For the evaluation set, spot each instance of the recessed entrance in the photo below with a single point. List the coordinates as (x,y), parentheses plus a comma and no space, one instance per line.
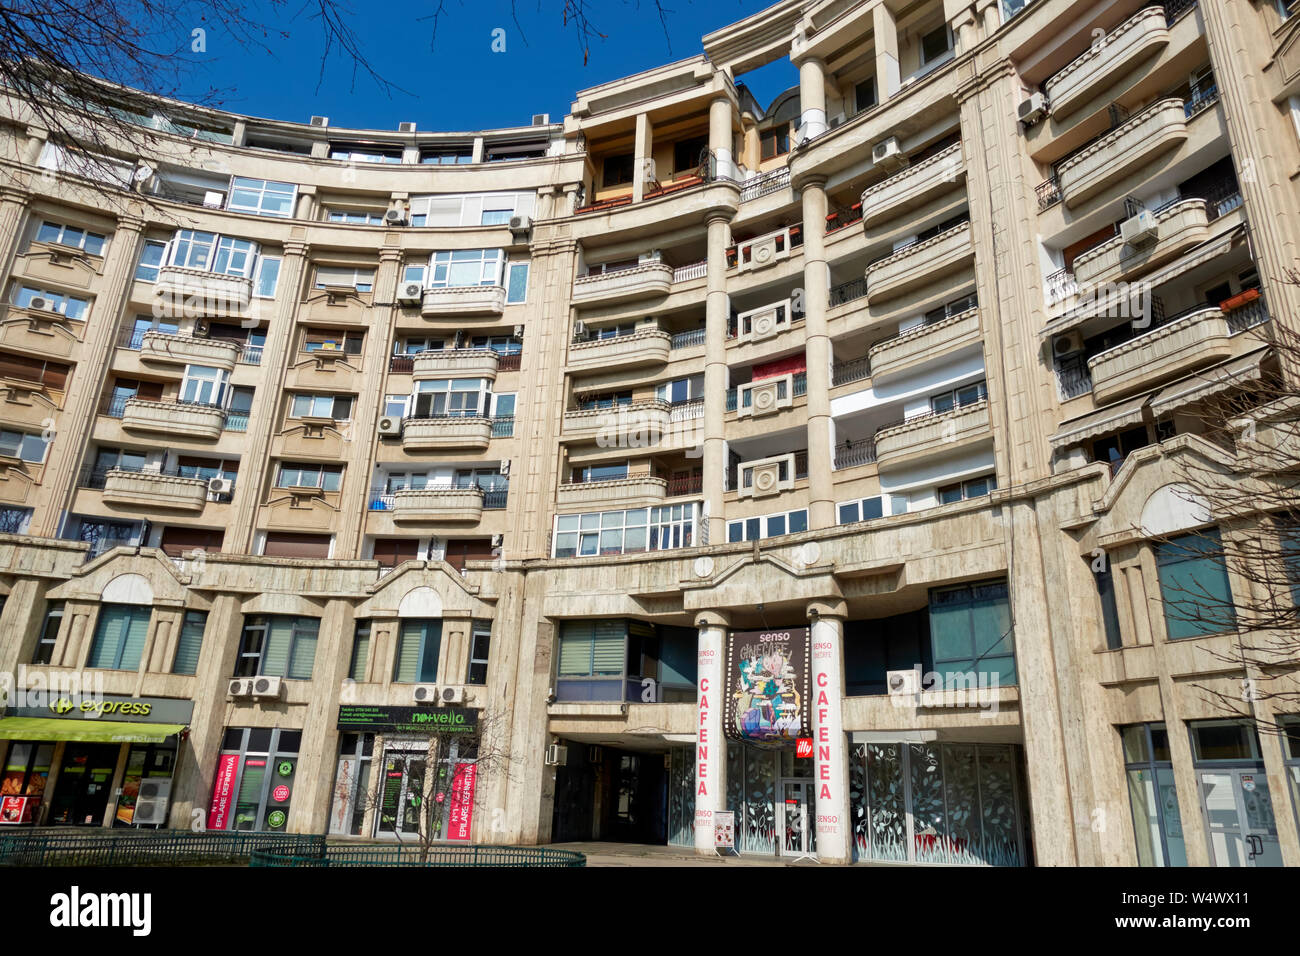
(84,783)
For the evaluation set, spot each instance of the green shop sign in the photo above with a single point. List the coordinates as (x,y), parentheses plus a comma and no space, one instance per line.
(381,719)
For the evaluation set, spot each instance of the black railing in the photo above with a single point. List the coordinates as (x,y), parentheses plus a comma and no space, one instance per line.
(495,500)
(1247,315)
(115,407)
(852,453)
(847,292)
(1200,101)
(1072,376)
(685,485)
(1049,192)
(851,370)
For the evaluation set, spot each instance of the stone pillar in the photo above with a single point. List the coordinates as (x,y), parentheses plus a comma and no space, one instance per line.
(965,30)
(888,78)
(710,745)
(720,139)
(990,13)
(717,312)
(643,171)
(830,745)
(13,205)
(812,97)
(816,297)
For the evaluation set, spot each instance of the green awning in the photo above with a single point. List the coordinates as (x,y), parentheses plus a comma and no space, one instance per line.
(105,731)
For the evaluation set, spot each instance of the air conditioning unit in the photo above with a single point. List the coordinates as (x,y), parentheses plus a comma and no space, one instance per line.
(518,332)
(390,425)
(425,693)
(541,119)
(240,687)
(888,154)
(267,688)
(151,801)
(557,755)
(214,199)
(498,539)
(1140,230)
(320,121)
(142,173)
(654,255)
(406,127)
(1032,109)
(410,293)
(903,683)
(39,303)
(505,469)
(220,486)
(837,120)
(452,695)
(201,328)
(395,216)
(521,225)
(579,329)
(1067,344)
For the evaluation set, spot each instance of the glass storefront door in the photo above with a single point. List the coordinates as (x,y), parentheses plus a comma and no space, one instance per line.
(794,818)
(85,779)
(1239,816)
(402,800)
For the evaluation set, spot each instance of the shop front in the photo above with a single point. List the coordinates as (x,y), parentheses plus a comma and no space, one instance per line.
(254,785)
(91,760)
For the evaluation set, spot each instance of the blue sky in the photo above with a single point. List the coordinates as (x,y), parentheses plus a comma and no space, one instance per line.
(461,83)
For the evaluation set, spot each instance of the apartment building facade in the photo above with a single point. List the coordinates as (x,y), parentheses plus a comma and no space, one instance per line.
(821,463)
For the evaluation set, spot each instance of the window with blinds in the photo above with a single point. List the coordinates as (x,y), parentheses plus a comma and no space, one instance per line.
(360,651)
(278,647)
(971,632)
(26,368)
(119,637)
(418,643)
(190,643)
(592,658)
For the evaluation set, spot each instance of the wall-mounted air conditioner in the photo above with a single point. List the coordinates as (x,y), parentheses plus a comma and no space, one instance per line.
(452,695)
(521,225)
(151,801)
(425,693)
(1067,344)
(888,154)
(410,293)
(390,425)
(395,216)
(240,687)
(1032,109)
(267,688)
(1140,230)
(903,683)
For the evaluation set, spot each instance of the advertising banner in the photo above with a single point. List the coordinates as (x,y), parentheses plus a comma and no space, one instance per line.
(421,721)
(461,817)
(223,791)
(767,676)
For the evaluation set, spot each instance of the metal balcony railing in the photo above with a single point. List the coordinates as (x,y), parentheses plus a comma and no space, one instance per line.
(852,453)
(1248,315)
(1072,376)
(685,485)
(684,340)
(236,421)
(509,361)
(765,184)
(851,370)
(496,499)
(503,426)
(847,292)
(1049,192)
(250,355)
(115,407)
(401,364)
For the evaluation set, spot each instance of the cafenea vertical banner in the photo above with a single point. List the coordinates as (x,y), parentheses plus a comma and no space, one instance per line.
(767,686)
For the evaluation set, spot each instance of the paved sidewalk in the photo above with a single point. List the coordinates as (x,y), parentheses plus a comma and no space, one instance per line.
(636,854)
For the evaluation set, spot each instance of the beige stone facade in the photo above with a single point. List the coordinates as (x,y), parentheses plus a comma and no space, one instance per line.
(680,364)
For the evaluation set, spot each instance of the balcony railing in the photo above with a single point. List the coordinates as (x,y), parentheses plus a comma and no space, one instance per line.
(685,340)
(1072,376)
(503,426)
(509,361)
(851,370)
(401,364)
(1049,192)
(1200,101)
(686,410)
(847,292)
(95,478)
(685,485)
(693,270)
(236,421)
(852,453)
(1060,285)
(496,500)
(841,218)
(765,184)
(250,355)
(1246,315)
(115,407)
(131,338)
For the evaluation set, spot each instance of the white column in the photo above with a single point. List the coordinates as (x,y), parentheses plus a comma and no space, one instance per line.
(812,98)
(643,171)
(888,78)
(720,137)
(830,746)
(710,746)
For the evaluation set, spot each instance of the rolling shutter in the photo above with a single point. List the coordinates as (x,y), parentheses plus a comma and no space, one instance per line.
(294,544)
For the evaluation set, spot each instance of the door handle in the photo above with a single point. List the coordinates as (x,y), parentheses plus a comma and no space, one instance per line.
(1256,846)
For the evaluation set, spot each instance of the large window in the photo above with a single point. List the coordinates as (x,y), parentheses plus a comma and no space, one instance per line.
(971,634)
(119,637)
(963,490)
(625,532)
(278,646)
(1153,799)
(324,477)
(418,644)
(337,407)
(190,643)
(866,509)
(15,520)
(465,267)
(255,779)
(261,197)
(591,659)
(151,260)
(625,660)
(617,170)
(345,277)
(768,526)
(23,445)
(1194,585)
(203,385)
(452,398)
(70,306)
(91,243)
(1109,607)
(480,643)
(351,783)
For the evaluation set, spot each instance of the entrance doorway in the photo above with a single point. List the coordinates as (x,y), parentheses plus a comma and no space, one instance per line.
(402,799)
(794,819)
(85,780)
(603,793)
(1239,815)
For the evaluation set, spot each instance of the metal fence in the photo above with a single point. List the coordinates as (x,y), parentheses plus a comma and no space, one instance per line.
(401,855)
(54,846)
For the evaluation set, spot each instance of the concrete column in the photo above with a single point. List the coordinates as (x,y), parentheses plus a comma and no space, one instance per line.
(710,745)
(965,30)
(991,15)
(720,139)
(888,78)
(830,744)
(812,97)
(816,296)
(13,206)
(643,171)
(716,313)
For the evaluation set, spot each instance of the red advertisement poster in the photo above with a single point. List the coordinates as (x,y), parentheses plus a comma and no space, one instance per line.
(223,791)
(17,810)
(462,802)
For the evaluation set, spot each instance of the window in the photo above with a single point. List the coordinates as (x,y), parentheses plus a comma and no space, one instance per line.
(337,407)
(864,510)
(356,217)
(268,276)
(936,45)
(775,142)
(15,520)
(261,197)
(330,340)
(345,277)
(22,445)
(324,477)
(962,490)
(71,306)
(958,397)
(587,473)
(466,267)
(864,94)
(357,153)
(119,637)
(1109,609)
(234,257)
(92,243)
(360,650)
(971,634)
(293,544)
(480,642)
(625,532)
(452,398)
(516,282)
(352,784)
(254,762)
(591,660)
(681,390)
(689,153)
(395,405)
(190,643)
(49,633)
(1153,798)
(278,646)
(31,369)
(508,152)
(151,259)
(418,644)
(1194,585)
(768,526)
(192,250)
(447,155)
(617,170)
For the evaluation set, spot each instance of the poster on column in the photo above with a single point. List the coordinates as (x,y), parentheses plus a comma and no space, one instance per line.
(223,788)
(767,686)
(461,818)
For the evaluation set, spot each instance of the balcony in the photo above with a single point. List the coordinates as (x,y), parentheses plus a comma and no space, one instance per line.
(145,489)
(1114,157)
(925,435)
(195,292)
(850,370)
(850,454)
(1137,38)
(454,301)
(765,250)
(645,347)
(166,348)
(175,419)
(1183,343)
(635,491)
(646,281)
(455,363)
(1180,225)
(924,343)
(765,322)
(442,505)
(632,425)
(912,186)
(767,396)
(919,263)
(435,434)
(763,477)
